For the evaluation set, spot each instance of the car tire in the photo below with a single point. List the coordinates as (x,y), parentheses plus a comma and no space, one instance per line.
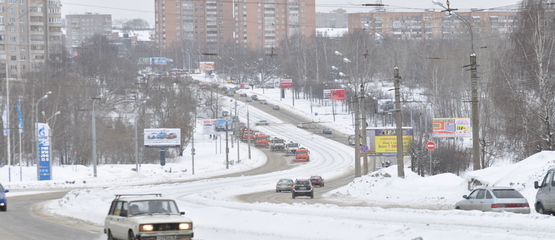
(540,209)
(110,237)
(312,195)
(4,208)
(131,235)
(293,196)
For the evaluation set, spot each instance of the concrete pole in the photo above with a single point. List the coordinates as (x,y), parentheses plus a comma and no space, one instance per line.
(363,129)
(475,114)
(357,135)
(399,124)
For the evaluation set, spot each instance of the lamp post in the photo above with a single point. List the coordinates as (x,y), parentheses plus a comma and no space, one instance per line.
(36,131)
(474,89)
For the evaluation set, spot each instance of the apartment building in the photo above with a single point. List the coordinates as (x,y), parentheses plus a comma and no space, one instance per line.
(258,24)
(82,26)
(30,33)
(337,18)
(431,24)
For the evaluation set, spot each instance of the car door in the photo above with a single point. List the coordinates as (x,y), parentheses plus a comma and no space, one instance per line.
(487,201)
(550,192)
(117,226)
(545,191)
(472,202)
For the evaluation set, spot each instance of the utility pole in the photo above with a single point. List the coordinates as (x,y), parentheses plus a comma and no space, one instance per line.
(363,128)
(357,135)
(399,124)
(475,116)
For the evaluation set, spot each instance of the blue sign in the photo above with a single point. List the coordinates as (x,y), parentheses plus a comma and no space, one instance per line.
(43,148)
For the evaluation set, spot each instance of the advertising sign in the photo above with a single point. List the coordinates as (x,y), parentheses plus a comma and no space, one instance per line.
(385,105)
(216,126)
(286,83)
(207,66)
(383,141)
(43,148)
(162,137)
(451,127)
(334,94)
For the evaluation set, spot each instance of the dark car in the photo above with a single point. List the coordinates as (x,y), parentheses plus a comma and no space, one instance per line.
(327,131)
(317,180)
(3,199)
(254,97)
(302,187)
(275,107)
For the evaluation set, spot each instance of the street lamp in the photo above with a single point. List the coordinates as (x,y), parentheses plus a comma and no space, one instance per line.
(37,131)
(473,86)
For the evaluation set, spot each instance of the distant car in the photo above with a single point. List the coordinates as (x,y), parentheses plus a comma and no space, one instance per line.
(351,139)
(275,107)
(171,136)
(302,187)
(326,131)
(3,199)
(243,95)
(225,113)
(249,100)
(284,184)
(254,97)
(140,216)
(494,199)
(263,101)
(302,125)
(262,122)
(317,180)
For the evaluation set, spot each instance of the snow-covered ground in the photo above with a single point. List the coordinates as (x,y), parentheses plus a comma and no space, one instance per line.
(384,206)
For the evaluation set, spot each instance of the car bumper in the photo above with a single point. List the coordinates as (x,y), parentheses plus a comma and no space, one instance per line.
(513,210)
(178,236)
(283,188)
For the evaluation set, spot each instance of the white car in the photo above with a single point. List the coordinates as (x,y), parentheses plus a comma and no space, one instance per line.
(146,216)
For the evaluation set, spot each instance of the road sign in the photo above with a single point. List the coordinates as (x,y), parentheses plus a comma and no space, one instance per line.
(430,145)
(364,148)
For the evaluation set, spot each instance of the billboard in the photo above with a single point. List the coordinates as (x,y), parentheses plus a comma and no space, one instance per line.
(451,127)
(206,66)
(162,137)
(334,94)
(286,83)
(383,141)
(216,126)
(385,105)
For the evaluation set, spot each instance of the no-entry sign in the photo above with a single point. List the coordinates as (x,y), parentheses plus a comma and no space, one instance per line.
(430,145)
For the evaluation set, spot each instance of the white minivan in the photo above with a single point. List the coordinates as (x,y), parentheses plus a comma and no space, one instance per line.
(545,197)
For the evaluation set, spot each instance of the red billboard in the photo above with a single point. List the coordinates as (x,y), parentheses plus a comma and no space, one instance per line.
(334,94)
(286,83)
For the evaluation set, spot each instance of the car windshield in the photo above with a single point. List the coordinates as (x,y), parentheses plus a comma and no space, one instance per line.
(153,207)
(285,180)
(302,152)
(506,193)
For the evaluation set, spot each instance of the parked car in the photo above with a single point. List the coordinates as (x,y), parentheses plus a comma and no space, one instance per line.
(545,196)
(326,131)
(275,107)
(317,180)
(284,184)
(262,122)
(3,199)
(146,216)
(302,187)
(494,199)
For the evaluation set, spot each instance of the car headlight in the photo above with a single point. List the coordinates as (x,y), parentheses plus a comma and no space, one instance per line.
(185,226)
(146,227)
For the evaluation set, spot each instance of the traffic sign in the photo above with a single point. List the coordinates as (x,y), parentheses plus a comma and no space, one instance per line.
(430,145)
(364,148)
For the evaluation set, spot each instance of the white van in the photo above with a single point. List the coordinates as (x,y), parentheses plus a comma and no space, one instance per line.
(545,197)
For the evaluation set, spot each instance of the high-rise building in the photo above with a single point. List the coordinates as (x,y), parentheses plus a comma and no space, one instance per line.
(30,33)
(258,24)
(82,26)
(431,24)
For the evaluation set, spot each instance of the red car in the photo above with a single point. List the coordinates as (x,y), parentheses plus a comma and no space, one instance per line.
(317,180)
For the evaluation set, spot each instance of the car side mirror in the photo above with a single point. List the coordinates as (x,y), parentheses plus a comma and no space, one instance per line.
(182,213)
(465,196)
(536,185)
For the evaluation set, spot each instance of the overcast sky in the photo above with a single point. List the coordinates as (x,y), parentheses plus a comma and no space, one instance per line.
(131,9)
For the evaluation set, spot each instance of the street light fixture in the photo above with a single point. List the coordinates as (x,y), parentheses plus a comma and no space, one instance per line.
(36,131)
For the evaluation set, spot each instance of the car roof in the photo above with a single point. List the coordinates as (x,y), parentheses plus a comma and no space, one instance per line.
(494,187)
